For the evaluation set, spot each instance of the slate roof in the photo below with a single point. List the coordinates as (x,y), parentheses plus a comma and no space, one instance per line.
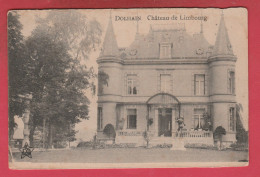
(222,44)
(110,47)
(183,45)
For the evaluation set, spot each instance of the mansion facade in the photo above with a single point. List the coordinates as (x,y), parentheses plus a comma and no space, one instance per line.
(164,75)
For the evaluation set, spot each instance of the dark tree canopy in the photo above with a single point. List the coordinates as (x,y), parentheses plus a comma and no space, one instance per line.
(102,81)
(50,68)
(17,72)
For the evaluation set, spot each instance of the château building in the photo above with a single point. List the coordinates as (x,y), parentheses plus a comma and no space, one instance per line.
(161,76)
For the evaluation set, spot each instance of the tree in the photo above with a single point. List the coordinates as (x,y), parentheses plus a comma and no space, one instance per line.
(102,80)
(72,29)
(208,122)
(51,65)
(57,85)
(241,133)
(17,63)
(58,77)
(218,133)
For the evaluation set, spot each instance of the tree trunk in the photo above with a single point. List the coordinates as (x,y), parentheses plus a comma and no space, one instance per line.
(50,134)
(43,133)
(31,135)
(220,138)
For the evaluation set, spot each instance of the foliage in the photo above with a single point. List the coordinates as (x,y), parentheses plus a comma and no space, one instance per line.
(239,146)
(50,65)
(109,130)
(241,133)
(85,144)
(162,146)
(73,29)
(150,121)
(199,146)
(57,84)
(219,131)
(17,63)
(208,121)
(102,80)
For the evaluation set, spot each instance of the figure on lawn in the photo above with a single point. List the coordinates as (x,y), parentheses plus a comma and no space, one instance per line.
(181,124)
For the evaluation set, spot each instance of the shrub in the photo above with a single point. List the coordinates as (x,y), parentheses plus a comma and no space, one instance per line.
(199,146)
(163,146)
(239,146)
(85,144)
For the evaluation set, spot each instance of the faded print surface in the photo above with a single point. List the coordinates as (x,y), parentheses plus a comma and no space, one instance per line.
(166,85)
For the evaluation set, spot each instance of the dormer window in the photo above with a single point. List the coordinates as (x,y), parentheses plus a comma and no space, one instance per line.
(165,50)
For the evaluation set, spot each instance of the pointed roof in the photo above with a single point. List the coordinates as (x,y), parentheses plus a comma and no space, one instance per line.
(110,47)
(222,44)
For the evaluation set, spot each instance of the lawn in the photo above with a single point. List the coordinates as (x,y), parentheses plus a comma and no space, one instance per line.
(132,155)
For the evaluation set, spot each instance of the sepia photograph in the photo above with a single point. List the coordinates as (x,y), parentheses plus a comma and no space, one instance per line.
(128,88)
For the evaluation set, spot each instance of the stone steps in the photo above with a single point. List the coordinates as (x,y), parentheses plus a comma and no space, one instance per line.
(161,140)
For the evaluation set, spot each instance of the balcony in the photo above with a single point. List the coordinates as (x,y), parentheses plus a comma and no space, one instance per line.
(191,137)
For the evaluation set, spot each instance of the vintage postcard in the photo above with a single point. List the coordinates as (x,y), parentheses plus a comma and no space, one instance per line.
(128,88)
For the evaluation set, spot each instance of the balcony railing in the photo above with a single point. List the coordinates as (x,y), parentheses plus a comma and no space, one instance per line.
(196,134)
(129,133)
(192,136)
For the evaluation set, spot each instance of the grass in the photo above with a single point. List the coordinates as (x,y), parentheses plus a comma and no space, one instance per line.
(133,155)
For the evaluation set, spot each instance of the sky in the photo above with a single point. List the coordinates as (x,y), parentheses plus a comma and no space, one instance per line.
(235,20)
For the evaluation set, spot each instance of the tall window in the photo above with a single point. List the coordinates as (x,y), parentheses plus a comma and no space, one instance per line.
(199,85)
(132,84)
(199,121)
(165,50)
(165,83)
(231,82)
(100,118)
(131,118)
(232,119)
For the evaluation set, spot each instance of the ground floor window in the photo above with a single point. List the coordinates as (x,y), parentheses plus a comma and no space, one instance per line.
(232,119)
(100,118)
(199,121)
(131,118)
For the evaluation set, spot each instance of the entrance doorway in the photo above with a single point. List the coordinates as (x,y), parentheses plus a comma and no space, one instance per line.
(165,122)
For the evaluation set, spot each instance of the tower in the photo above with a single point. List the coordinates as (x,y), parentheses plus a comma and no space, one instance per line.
(222,83)
(109,63)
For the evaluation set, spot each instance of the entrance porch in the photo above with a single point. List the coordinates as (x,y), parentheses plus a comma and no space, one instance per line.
(160,121)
